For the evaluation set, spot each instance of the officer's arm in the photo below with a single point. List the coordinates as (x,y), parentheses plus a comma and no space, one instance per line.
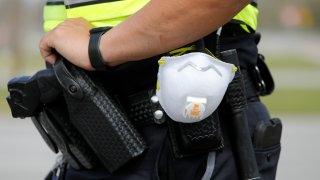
(160,26)
(163,25)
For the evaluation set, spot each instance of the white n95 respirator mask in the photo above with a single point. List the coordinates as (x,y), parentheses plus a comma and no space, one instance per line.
(190,87)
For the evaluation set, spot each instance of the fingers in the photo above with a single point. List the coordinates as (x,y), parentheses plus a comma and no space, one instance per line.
(69,39)
(47,50)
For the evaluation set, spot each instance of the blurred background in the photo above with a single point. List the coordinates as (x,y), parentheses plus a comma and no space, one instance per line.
(290,42)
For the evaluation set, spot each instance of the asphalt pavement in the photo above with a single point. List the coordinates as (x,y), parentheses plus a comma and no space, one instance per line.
(300,157)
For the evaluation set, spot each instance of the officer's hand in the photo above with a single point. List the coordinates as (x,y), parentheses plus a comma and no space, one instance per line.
(70,39)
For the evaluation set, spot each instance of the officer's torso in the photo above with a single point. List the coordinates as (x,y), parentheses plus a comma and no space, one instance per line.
(131,76)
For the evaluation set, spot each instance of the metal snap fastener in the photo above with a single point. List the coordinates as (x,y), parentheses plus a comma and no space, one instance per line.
(154,99)
(159,117)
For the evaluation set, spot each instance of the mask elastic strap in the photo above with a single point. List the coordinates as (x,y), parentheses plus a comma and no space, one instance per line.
(200,45)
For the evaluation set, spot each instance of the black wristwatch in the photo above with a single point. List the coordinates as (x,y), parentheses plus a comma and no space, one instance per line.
(95,56)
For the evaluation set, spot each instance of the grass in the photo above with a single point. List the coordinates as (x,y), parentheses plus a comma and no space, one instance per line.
(301,101)
(291,62)
(294,101)
(4,107)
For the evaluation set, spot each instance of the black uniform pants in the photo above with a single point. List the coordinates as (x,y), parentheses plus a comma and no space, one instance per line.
(158,162)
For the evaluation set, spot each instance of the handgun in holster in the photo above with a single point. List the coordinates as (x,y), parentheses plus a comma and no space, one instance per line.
(76,116)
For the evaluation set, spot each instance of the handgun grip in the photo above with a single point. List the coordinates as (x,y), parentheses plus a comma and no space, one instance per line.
(28,93)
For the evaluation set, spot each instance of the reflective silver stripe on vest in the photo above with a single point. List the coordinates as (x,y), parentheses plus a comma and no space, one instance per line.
(55,2)
(72,2)
(69,2)
(77,3)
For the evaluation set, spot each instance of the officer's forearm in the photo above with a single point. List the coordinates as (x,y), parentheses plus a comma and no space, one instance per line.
(163,25)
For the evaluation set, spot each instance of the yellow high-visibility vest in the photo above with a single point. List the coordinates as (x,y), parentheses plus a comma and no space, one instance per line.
(112,12)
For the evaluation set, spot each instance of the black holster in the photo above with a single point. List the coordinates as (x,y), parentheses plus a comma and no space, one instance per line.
(79,118)
(98,118)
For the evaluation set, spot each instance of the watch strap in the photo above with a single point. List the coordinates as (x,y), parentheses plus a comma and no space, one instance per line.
(95,56)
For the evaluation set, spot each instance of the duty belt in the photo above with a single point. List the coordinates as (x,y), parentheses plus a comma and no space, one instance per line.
(141,109)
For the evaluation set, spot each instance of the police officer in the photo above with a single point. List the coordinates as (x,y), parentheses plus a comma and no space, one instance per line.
(141,31)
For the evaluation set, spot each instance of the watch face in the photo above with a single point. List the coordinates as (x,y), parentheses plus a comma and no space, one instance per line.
(99,29)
